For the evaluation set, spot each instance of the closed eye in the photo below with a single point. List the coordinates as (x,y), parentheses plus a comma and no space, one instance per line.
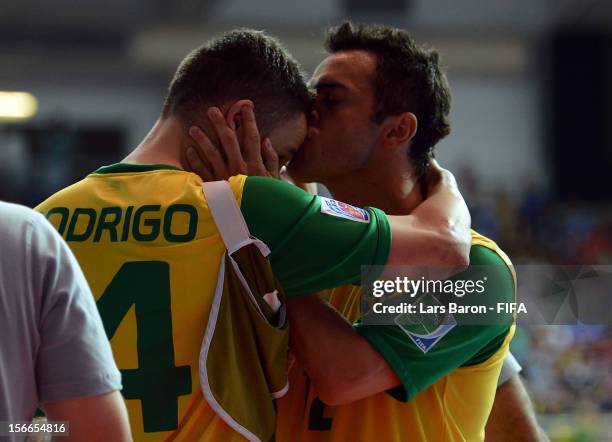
(330,101)
(327,93)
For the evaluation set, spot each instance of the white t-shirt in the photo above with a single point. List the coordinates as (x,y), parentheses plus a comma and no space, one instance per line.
(52,341)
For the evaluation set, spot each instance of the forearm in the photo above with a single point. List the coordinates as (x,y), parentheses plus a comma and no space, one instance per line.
(342,365)
(95,418)
(512,417)
(444,212)
(437,231)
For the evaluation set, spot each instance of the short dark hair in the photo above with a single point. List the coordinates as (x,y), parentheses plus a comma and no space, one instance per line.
(243,63)
(408,78)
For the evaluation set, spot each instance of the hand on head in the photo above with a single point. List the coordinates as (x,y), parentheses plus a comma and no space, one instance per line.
(241,150)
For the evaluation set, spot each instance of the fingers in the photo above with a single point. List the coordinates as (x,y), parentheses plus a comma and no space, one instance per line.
(207,161)
(270,158)
(260,158)
(438,178)
(434,165)
(229,142)
(434,174)
(445,174)
(251,140)
(197,165)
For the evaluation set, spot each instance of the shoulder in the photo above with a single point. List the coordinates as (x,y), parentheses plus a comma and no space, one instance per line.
(486,256)
(266,198)
(16,213)
(66,196)
(30,244)
(270,187)
(486,251)
(237,184)
(17,222)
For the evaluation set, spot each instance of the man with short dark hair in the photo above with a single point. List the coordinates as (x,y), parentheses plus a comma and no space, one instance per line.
(406,77)
(239,64)
(396,100)
(247,64)
(146,239)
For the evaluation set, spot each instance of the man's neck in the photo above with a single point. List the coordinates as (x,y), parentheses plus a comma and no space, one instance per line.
(162,145)
(390,187)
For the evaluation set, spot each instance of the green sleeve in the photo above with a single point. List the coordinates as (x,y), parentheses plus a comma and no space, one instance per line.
(461,345)
(311,250)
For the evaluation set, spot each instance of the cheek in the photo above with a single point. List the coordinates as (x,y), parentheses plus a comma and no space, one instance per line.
(281,151)
(341,134)
(345,121)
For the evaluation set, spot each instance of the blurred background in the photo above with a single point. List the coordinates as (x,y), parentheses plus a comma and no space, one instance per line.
(531,140)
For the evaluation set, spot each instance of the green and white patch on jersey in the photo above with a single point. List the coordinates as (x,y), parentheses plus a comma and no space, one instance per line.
(425,329)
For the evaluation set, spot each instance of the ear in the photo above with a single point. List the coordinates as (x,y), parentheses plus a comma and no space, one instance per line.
(399,129)
(232,115)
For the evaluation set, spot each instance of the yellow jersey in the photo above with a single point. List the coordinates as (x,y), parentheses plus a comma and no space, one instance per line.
(151,252)
(154,309)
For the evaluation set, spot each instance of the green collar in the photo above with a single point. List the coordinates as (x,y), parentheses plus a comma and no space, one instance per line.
(127,167)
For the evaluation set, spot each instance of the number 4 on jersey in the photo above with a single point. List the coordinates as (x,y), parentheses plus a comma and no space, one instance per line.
(157,382)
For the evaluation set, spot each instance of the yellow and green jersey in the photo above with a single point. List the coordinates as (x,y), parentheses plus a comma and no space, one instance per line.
(151,252)
(447,392)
